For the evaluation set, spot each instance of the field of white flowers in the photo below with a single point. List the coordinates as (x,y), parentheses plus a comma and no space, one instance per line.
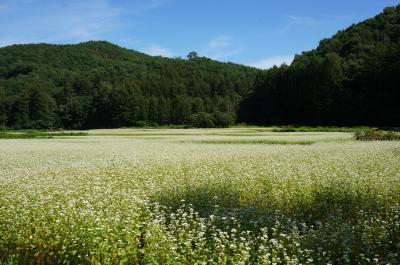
(221,196)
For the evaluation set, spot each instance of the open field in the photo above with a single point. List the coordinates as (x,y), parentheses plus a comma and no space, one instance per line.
(199,196)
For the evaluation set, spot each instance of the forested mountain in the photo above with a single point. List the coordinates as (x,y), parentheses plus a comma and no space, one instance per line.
(98,84)
(352,78)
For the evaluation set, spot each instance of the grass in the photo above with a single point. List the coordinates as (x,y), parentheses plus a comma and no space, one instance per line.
(255,141)
(317,129)
(37,134)
(126,200)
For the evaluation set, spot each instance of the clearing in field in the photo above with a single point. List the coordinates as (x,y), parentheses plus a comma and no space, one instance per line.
(221,196)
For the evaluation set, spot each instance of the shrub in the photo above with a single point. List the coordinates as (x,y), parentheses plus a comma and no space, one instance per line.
(217,119)
(376,135)
(202,120)
(144,124)
(224,119)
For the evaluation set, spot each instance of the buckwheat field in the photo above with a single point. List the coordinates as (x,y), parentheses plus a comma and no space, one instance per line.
(227,196)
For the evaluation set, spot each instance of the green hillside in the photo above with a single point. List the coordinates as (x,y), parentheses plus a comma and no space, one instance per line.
(98,84)
(350,79)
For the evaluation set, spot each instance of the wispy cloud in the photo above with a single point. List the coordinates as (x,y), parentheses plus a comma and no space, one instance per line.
(296,22)
(158,51)
(9,40)
(272,61)
(156,3)
(221,55)
(293,22)
(127,41)
(3,7)
(71,21)
(301,20)
(342,17)
(220,42)
(141,8)
(221,47)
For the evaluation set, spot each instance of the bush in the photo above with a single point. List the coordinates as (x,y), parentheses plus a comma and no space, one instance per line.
(224,119)
(202,120)
(217,119)
(376,135)
(144,124)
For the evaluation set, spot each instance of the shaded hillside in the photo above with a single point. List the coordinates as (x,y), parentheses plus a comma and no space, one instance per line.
(98,84)
(350,79)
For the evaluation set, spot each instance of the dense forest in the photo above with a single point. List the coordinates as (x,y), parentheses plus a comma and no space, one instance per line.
(101,85)
(350,79)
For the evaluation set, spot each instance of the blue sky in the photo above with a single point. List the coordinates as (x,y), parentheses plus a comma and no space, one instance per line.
(260,33)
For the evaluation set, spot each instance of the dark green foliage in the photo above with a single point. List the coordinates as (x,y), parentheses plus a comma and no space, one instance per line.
(202,120)
(100,85)
(192,55)
(224,119)
(349,80)
(217,119)
(376,135)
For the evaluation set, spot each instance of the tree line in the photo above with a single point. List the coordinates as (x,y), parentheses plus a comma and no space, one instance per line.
(100,85)
(350,79)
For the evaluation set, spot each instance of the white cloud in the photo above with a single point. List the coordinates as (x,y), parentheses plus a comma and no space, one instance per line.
(296,22)
(220,42)
(222,54)
(342,17)
(301,20)
(72,21)
(83,21)
(140,8)
(127,41)
(65,22)
(10,40)
(271,61)
(158,51)
(220,48)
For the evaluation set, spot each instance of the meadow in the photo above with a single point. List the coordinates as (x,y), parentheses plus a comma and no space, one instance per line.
(199,196)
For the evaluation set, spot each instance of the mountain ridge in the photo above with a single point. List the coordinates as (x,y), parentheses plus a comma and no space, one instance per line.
(72,77)
(349,79)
